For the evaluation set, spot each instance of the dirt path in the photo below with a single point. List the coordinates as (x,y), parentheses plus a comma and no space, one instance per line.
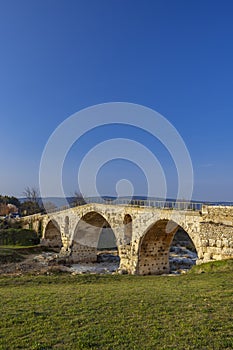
(29,265)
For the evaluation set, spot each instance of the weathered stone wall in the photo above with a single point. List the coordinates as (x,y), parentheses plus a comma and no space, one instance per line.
(125,255)
(153,256)
(216,233)
(82,253)
(52,235)
(33,222)
(218,214)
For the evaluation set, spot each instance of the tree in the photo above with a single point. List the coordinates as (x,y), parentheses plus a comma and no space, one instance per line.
(8,205)
(10,200)
(32,194)
(29,208)
(77,199)
(32,204)
(49,207)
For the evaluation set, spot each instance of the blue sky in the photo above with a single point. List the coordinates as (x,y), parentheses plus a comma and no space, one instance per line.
(58,57)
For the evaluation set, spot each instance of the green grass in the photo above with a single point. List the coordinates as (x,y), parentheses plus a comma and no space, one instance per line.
(18,236)
(8,255)
(216,266)
(193,311)
(14,253)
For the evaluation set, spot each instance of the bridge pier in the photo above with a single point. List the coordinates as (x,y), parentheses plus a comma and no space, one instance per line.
(82,253)
(125,255)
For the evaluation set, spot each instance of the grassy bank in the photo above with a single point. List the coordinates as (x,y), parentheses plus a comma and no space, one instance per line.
(216,266)
(117,312)
(18,236)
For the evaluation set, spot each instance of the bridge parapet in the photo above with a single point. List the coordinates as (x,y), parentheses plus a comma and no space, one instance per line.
(159,204)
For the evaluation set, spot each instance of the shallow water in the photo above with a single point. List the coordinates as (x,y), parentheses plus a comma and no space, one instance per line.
(181,260)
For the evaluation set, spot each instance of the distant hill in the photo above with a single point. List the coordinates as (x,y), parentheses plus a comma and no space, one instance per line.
(61,202)
(57,201)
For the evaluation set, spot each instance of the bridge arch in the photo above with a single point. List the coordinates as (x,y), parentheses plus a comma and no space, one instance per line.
(107,239)
(183,253)
(154,247)
(52,234)
(86,236)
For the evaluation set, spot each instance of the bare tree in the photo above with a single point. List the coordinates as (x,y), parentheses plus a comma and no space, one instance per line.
(32,203)
(77,199)
(49,207)
(32,194)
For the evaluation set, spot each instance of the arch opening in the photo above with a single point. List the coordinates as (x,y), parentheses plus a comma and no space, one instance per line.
(52,235)
(127,229)
(183,254)
(107,239)
(95,241)
(156,248)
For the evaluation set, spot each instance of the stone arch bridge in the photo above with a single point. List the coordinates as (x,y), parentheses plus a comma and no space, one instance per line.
(143,234)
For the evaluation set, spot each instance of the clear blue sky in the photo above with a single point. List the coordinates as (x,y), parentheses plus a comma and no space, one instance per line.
(57,57)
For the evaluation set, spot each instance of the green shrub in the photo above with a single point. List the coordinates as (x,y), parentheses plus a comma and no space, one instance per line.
(7,223)
(21,237)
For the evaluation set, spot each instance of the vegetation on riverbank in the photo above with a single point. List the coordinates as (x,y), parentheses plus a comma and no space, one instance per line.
(14,253)
(62,311)
(18,237)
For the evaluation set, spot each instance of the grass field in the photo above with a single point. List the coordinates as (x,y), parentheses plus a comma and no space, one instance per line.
(193,311)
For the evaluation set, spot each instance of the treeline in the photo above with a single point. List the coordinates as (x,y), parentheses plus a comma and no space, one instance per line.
(11,227)
(32,203)
(27,207)
(9,200)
